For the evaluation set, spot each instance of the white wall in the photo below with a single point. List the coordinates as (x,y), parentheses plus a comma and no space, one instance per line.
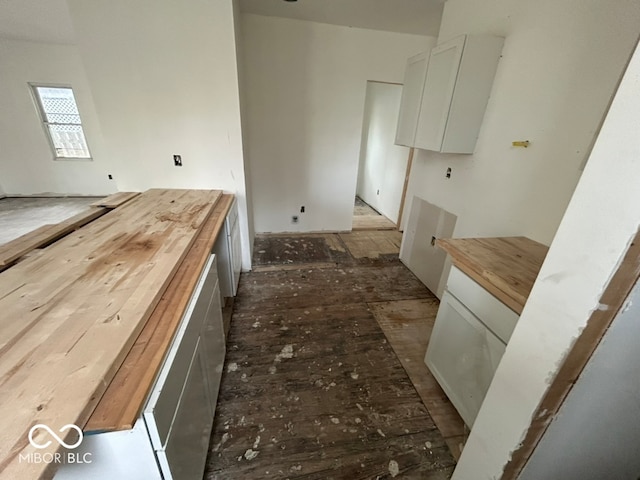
(165,81)
(26,162)
(305,90)
(560,64)
(237,23)
(383,165)
(599,224)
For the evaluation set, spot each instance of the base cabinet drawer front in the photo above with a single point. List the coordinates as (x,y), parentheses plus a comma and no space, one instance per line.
(463,355)
(499,318)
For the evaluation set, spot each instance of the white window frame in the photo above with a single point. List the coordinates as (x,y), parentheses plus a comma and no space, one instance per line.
(33,87)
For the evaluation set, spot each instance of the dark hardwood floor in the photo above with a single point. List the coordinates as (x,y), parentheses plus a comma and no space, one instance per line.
(311,388)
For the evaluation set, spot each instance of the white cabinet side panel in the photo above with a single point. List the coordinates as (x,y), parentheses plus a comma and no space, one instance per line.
(417,252)
(411,99)
(125,455)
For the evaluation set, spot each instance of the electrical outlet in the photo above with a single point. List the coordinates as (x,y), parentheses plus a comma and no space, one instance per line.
(110,177)
(177,160)
(294,219)
(448,175)
(302,209)
(433,241)
(377,192)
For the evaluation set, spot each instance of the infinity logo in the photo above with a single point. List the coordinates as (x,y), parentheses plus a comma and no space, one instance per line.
(53,434)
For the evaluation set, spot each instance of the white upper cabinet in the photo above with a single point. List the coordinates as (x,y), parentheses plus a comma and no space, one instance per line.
(411,98)
(456,90)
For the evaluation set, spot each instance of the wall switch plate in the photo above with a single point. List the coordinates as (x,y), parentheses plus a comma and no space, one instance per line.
(177,160)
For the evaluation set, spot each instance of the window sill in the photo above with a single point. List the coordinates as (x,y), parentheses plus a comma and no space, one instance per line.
(73,159)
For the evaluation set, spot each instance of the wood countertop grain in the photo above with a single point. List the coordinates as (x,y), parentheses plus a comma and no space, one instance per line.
(506,267)
(122,403)
(69,317)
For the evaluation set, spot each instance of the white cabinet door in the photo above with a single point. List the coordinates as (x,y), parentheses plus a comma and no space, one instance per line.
(463,356)
(456,91)
(228,250)
(438,91)
(213,347)
(411,99)
(184,456)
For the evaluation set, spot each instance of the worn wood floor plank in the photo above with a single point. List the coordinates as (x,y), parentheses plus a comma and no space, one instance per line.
(312,388)
(372,222)
(407,324)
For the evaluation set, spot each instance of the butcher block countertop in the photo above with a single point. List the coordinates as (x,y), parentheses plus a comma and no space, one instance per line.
(122,403)
(506,267)
(105,298)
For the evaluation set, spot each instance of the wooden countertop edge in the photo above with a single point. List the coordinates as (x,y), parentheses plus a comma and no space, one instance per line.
(488,280)
(115,199)
(123,400)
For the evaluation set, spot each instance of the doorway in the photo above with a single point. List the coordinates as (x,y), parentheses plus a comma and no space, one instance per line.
(383,165)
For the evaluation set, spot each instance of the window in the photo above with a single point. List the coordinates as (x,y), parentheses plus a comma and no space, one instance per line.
(61,119)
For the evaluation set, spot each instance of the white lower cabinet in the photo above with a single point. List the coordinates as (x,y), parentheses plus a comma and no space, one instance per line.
(171,438)
(228,251)
(468,340)
(184,453)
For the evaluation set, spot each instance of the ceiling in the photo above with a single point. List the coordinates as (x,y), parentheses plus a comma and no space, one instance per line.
(421,17)
(36,20)
(48,21)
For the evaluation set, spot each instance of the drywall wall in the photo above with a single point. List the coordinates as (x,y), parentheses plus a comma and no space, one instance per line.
(26,164)
(559,67)
(599,224)
(243,119)
(164,80)
(595,434)
(305,90)
(419,251)
(383,165)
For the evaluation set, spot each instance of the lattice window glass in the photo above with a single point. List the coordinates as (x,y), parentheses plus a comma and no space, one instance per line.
(62,122)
